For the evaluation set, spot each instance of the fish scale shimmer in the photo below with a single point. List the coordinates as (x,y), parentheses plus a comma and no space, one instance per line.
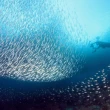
(39,41)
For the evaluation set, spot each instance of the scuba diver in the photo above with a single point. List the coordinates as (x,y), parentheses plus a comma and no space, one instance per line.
(100,44)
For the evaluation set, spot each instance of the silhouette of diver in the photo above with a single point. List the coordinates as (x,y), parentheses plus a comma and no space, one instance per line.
(99,44)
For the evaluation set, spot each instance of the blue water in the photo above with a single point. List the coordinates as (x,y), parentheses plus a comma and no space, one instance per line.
(63,33)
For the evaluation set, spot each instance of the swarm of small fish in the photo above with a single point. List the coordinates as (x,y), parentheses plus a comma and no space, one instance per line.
(94,90)
(34,59)
(37,43)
